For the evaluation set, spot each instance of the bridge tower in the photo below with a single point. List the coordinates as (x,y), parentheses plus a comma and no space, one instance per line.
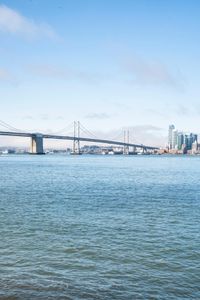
(37,144)
(126,141)
(76,142)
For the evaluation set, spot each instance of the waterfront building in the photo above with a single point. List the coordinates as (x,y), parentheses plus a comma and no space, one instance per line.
(195,147)
(171,128)
(180,140)
(194,138)
(189,139)
(174,139)
(184,149)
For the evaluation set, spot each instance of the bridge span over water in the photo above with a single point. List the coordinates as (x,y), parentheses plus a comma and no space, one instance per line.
(37,139)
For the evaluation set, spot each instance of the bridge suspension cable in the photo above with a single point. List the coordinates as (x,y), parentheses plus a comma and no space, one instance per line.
(9,127)
(85,130)
(119,135)
(133,138)
(66,129)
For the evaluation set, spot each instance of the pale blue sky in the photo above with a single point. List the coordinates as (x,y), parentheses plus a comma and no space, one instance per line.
(108,63)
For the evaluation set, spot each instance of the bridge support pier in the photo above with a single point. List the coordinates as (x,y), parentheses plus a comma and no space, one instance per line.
(37,144)
(126,150)
(144,150)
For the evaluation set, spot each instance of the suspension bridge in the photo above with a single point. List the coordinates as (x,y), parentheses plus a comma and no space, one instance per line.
(36,145)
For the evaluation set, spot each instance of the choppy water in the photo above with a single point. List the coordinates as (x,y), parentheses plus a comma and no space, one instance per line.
(97,227)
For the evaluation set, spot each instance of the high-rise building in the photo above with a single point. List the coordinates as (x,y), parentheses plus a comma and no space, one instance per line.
(171,128)
(174,139)
(189,139)
(195,147)
(180,140)
(195,137)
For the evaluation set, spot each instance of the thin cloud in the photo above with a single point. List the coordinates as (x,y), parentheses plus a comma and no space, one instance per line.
(47,70)
(99,116)
(43,117)
(4,74)
(157,113)
(27,117)
(64,73)
(184,110)
(146,128)
(11,21)
(7,76)
(149,73)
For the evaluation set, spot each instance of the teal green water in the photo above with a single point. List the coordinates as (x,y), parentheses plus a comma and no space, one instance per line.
(99,227)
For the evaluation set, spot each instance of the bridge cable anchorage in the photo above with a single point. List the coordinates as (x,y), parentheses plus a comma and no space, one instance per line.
(11,128)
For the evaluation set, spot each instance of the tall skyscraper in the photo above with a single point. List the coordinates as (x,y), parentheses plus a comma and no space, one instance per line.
(174,139)
(171,128)
(180,140)
(189,139)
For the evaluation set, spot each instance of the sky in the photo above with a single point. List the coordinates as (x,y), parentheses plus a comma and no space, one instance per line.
(110,64)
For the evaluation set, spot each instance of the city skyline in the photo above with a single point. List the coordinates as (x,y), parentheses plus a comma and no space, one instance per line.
(181,141)
(101,64)
(175,140)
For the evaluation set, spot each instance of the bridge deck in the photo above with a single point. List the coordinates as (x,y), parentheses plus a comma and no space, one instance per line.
(71,138)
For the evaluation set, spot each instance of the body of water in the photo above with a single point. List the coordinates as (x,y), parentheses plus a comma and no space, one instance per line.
(99,227)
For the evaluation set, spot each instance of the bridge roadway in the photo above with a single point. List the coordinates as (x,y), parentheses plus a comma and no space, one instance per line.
(37,140)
